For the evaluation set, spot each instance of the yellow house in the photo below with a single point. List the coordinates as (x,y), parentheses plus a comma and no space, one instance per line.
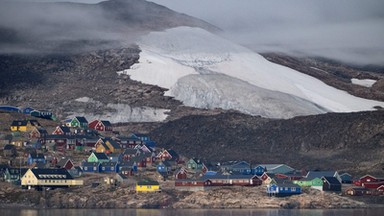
(51,178)
(107,145)
(147,186)
(24,125)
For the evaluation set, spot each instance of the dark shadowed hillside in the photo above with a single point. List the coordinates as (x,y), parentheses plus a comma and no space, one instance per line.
(350,141)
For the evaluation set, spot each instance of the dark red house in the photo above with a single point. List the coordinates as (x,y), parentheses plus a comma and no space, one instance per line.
(101,125)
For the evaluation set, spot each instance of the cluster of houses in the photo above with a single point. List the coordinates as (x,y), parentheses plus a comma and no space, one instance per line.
(133,155)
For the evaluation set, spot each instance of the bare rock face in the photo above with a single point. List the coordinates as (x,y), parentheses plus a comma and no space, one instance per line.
(342,141)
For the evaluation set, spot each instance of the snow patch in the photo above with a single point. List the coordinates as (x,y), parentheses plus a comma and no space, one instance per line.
(363,82)
(120,112)
(168,59)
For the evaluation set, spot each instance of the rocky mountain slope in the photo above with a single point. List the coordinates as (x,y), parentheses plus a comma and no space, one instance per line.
(352,142)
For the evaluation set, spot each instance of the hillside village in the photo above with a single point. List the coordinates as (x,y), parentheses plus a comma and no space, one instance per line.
(79,153)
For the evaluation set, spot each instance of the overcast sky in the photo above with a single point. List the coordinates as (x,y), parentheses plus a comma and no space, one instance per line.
(350,30)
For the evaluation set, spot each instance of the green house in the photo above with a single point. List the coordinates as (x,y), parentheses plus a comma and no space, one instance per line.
(98,157)
(195,164)
(79,122)
(316,183)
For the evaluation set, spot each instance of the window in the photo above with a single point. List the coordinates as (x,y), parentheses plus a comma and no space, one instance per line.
(293,189)
(103,168)
(94,168)
(112,168)
(86,168)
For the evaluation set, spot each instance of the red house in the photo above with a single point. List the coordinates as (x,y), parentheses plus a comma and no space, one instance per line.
(100,125)
(62,130)
(181,173)
(65,163)
(365,179)
(373,185)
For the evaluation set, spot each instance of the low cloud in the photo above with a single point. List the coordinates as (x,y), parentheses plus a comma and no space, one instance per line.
(347,30)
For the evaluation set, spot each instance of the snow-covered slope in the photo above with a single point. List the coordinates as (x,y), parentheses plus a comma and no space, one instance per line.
(206,71)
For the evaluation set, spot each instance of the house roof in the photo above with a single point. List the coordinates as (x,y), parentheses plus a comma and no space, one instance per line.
(331,180)
(9,147)
(65,129)
(106,123)
(173,153)
(318,174)
(81,119)
(51,173)
(100,156)
(277,168)
(147,182)
(63,161)
(105,164)
(89,164)
(112,142)
(286,184)
(221,176)
(13,170)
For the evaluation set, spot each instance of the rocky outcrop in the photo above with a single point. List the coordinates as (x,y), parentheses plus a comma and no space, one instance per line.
(104,197)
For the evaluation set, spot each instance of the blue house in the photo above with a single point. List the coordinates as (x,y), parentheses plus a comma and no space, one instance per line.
(283,188)
(346,178)
(90,166)
(164,167)
(28,110)
(241,167)
(259,170)
(108,167)
(141,137)
(35,158)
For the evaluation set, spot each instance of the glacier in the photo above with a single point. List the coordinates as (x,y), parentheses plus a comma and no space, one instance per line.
(203,70)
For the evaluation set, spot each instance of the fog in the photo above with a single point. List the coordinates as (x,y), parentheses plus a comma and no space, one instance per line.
(347,30)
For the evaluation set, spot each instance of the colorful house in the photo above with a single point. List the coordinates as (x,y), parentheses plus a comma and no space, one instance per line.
(277,168)
(357,191)
(128,168)
(65,163)
(13,175)
(164,167)
(79,122)
(62,130)
(38,133)
(108,167)
(320,174)
(107,145)
(24,125)
(232,180)
(285,188)
(181,173)
(195,164)
(168,155)
(9,150)
(98,157)
(241,167)
(331,184)
(90,166)
(101,125)
(48,178)
(365,179)
(35,158)
(315,183)
(147,186)
(346,178)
